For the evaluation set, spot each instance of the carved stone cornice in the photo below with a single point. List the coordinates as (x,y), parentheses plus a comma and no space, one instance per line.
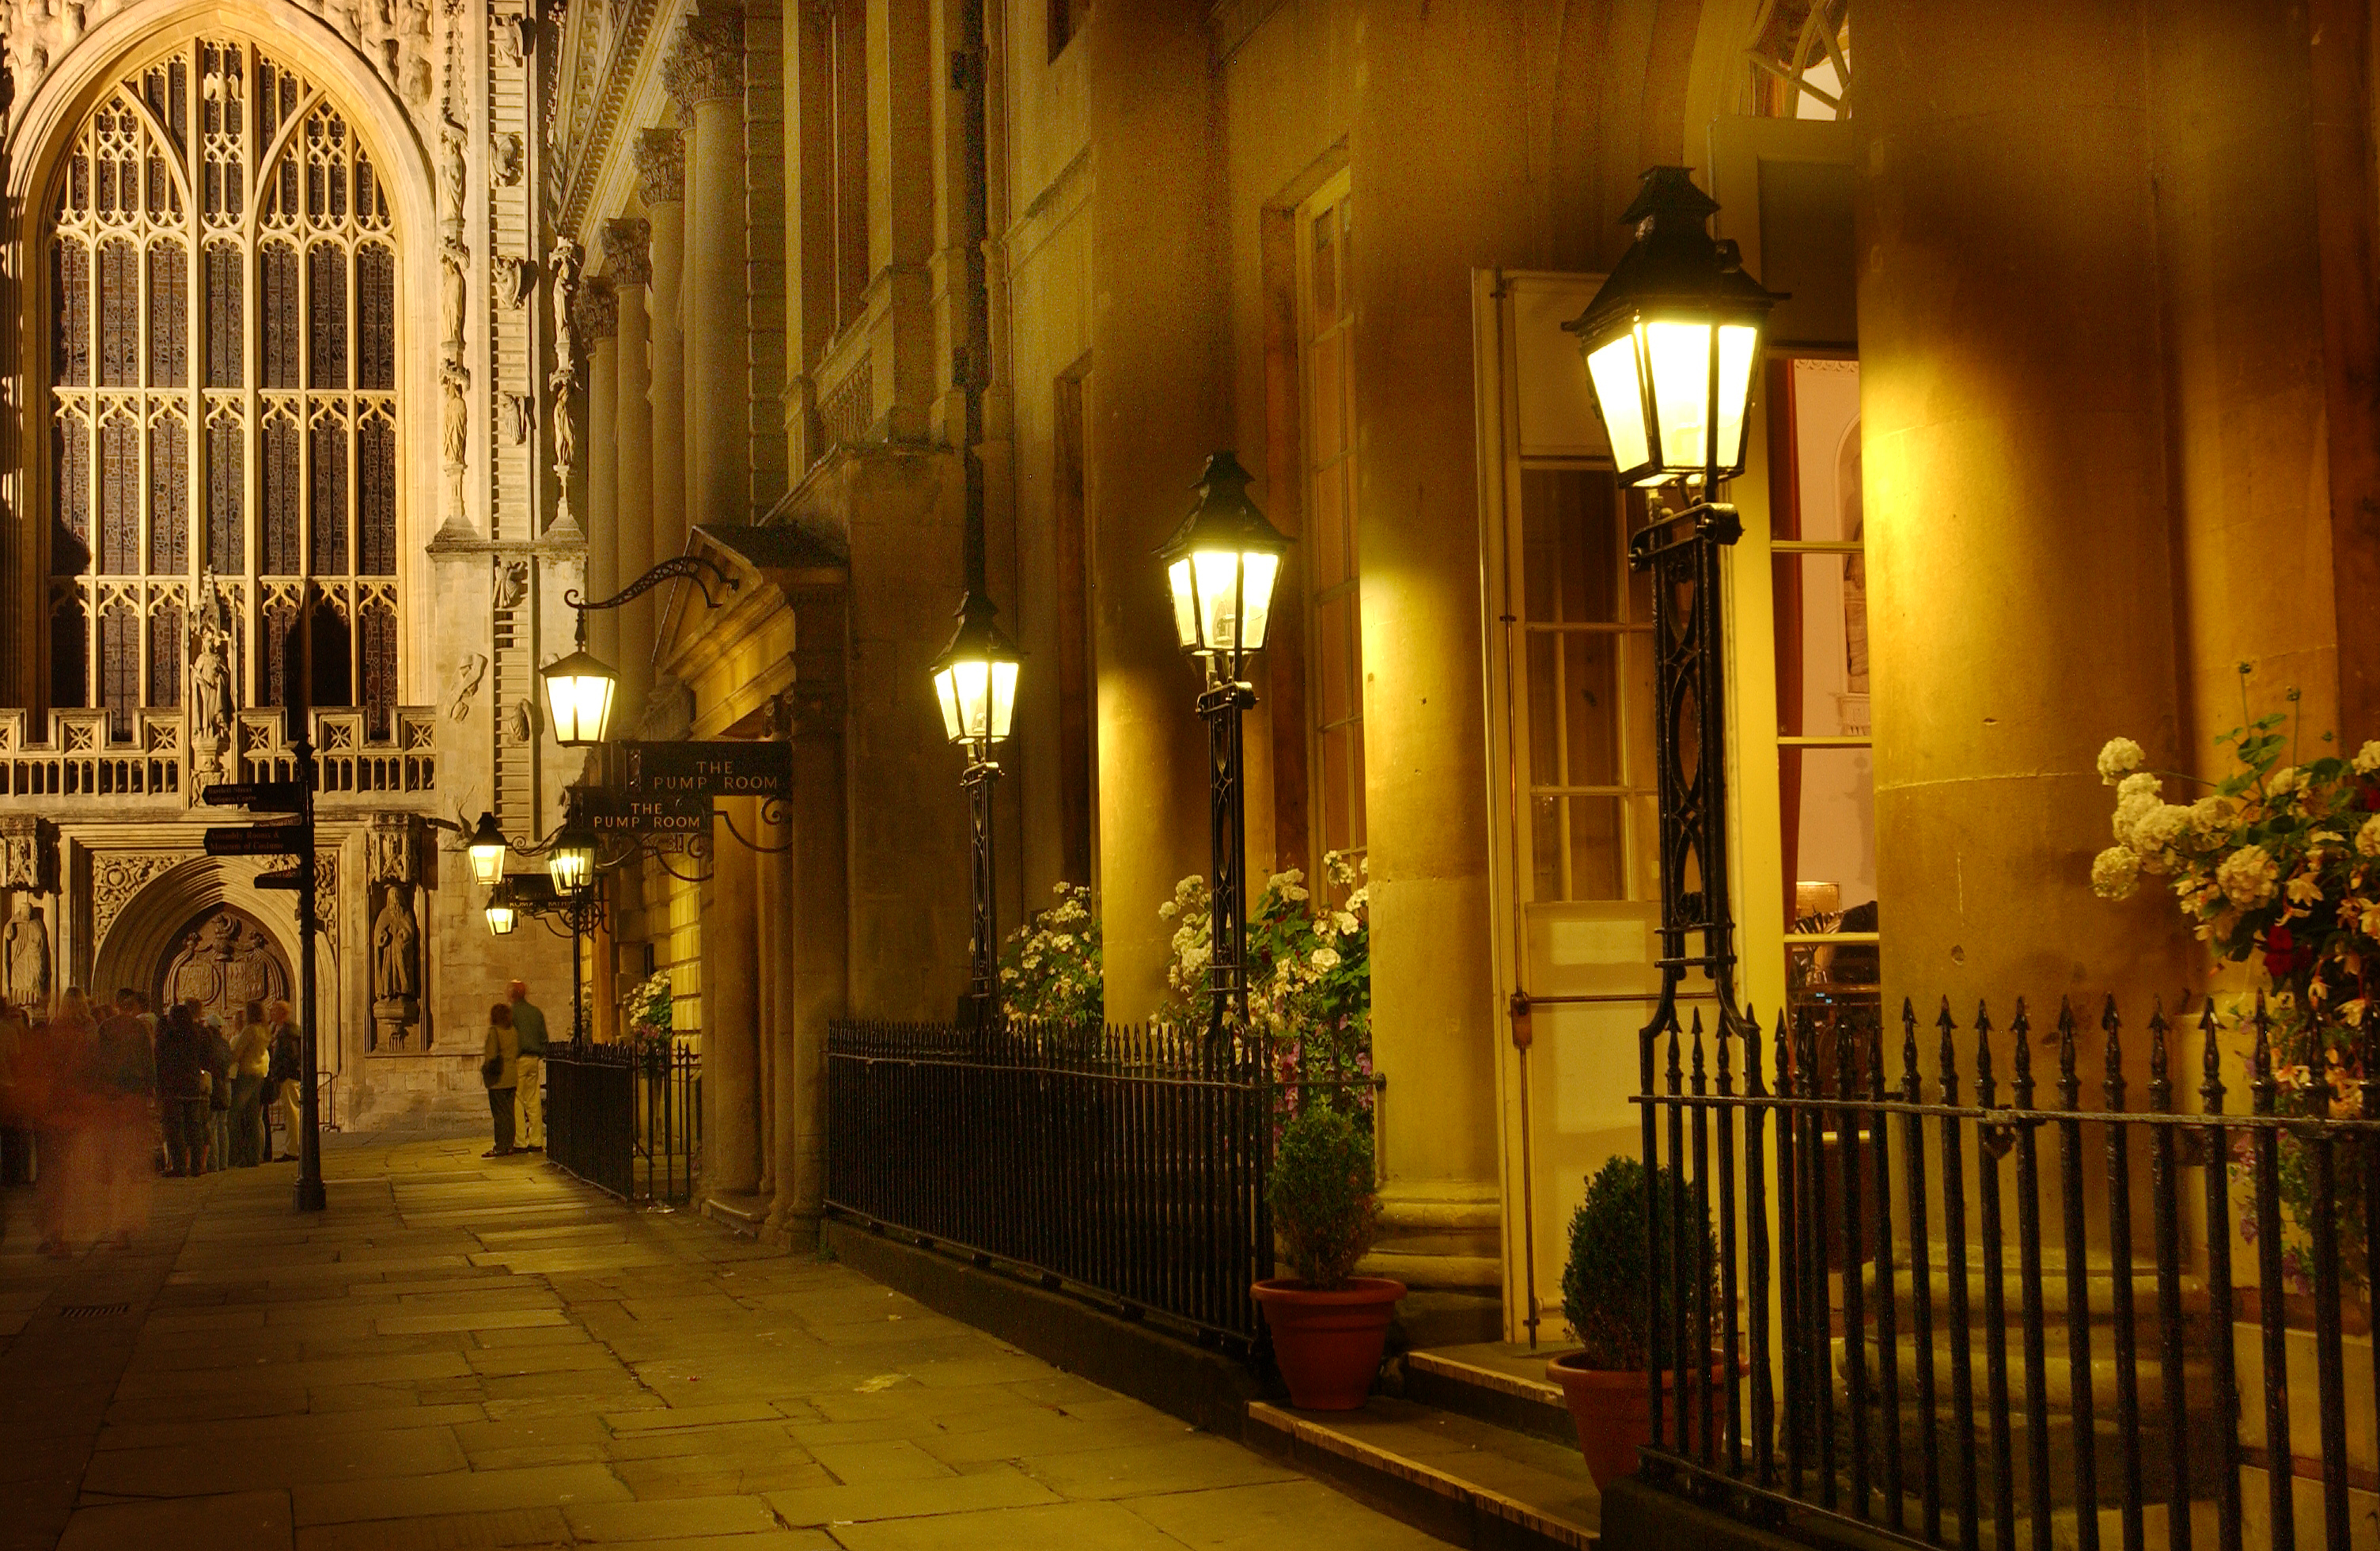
(660,167)
(598,307)
(706,65)
(393,848)
(628,252)
(588,151)
(28,852)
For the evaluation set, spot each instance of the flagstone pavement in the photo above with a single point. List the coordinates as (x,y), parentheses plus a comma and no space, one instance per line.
(463,1353)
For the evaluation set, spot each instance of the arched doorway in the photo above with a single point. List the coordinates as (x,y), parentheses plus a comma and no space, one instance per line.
(224,958)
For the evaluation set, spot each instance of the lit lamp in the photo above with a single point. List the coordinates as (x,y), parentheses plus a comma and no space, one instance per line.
(976,676)
(1671,340)
(487,847)
(1220,565)
(570,860)
(502,917)
(579,690)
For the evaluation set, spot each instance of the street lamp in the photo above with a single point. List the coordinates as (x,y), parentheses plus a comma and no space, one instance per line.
(974,680)
(578,693)
(1221,566)
(1672,343)
(502,915)
(487,847)
(570,859)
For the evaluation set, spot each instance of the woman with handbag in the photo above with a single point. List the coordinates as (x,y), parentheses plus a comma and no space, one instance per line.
(500,1069)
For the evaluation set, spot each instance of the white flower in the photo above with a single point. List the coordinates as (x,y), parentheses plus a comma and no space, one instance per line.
(2119,756)
(2304,890)
(2211,816)
(2248,877)
(2130,809)
(1347,922)
(1324,958)
(1360,898)
(2367,758)
(2367,839)
(2114,872)
(2370,925)
(2286,780)
(2156,834)
(1167,910)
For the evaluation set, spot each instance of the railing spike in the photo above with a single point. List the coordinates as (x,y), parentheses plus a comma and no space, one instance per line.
(2065,1044)
(2114,1084)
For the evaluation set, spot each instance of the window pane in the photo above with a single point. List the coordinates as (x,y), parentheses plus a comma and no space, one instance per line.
(277,299)
(1325,304)
(1576,846)
(226,495)
(280,496)
(375,317)
(69,653)
(1331,700)
(1822,663)
(119,495)
(1590,708)
(327,328)
(70,274)
(223,335)
(165,645)
(1570,533)
(1328,528)
(120,669)
(169,495)
(1827,800)
(328,511)
(70,500)
(119,315)
(169,315)
(376,496)
(1329,357)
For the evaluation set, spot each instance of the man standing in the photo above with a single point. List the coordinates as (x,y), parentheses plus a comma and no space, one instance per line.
(181,1068)
(529,1022)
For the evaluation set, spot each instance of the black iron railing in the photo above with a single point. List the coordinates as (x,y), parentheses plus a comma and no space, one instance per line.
(627,1118)
(1873,1219)
(1123,1163)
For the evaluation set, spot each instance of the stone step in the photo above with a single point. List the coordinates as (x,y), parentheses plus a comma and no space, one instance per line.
(1498,1382)
(1469,1482)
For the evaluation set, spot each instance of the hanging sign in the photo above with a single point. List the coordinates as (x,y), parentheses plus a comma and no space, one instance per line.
(614,812)
(722,767)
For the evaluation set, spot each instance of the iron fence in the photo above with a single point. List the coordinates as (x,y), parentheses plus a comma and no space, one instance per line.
(1859,1315)
(1126,1163)
(627,1118)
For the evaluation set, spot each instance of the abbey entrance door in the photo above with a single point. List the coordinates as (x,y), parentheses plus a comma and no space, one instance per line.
(225,959)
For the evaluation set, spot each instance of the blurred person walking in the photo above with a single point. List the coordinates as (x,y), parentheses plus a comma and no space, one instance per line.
(252,1058)
(282,1079)
(181,1069)
(528,1023)
(117,1079)
(15,1147)
(49,1087)
(500,1069)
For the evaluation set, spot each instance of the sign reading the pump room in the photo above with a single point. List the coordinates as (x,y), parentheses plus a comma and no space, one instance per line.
(717,768)
(613,812)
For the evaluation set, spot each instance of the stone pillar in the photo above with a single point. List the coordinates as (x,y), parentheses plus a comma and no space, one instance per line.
(730,1056)
(660,179)
(816,946)
(598,329)
(779,977)
(1155,411)
(2019,536)
(628,264)
(705,74)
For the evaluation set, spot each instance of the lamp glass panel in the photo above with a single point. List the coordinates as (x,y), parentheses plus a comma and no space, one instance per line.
(1612,370)
(1679,356)
(501,919)
(1186,603)
(1221,615)
(486,863)
(946,690)
(1737,343)
(1258,571)
(568,866)
(1003,699)
(581,704)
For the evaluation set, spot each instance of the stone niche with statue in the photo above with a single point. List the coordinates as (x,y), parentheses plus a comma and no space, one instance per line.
(27,940)
(394,857)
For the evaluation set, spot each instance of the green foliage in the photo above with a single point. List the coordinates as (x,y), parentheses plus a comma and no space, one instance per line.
(1322,1196)
(1604,1284)
(1050,969)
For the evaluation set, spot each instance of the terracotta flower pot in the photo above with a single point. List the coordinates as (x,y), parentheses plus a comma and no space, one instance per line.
(1328,1344)
(1612,1410)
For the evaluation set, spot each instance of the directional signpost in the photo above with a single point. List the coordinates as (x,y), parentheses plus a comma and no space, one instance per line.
(291,839)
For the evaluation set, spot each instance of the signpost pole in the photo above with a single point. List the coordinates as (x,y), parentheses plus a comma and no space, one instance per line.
(311,1197)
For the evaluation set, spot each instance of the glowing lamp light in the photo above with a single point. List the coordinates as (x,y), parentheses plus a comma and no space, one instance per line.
(1672,339)
(502,917)
(1221,566)
(579,691)
(487,847)
(976,676)
(570,861)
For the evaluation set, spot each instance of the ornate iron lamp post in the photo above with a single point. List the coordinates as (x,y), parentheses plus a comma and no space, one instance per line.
(1672,343)
(580,688)
(1220,565)
(974,680)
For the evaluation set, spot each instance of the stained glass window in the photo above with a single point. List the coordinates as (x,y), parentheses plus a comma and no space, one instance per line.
(180,467)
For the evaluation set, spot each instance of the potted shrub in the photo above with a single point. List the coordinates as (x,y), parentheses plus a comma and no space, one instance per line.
(1604,1288)
(1328,1325)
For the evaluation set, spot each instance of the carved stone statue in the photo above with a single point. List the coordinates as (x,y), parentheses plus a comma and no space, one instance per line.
(465,685)
(453,259)
(522,723)
(516,280)
(209,688)
(455,432)
(519,416)
(512,584)
(28,957)
(453,143)
(564,262)
(397,943)
(508,155)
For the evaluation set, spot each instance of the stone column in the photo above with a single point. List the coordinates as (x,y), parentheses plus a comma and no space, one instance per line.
(1155,411)
(661,179)
(730,1055)
(628,264)
(598,329)
(815,945)
(704,74)
(775,1021)
(2018,536)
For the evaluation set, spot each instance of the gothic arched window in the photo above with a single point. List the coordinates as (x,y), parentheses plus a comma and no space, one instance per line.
(223,408)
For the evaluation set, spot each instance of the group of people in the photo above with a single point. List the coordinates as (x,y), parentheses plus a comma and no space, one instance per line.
(99,1099)
(512,1063)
